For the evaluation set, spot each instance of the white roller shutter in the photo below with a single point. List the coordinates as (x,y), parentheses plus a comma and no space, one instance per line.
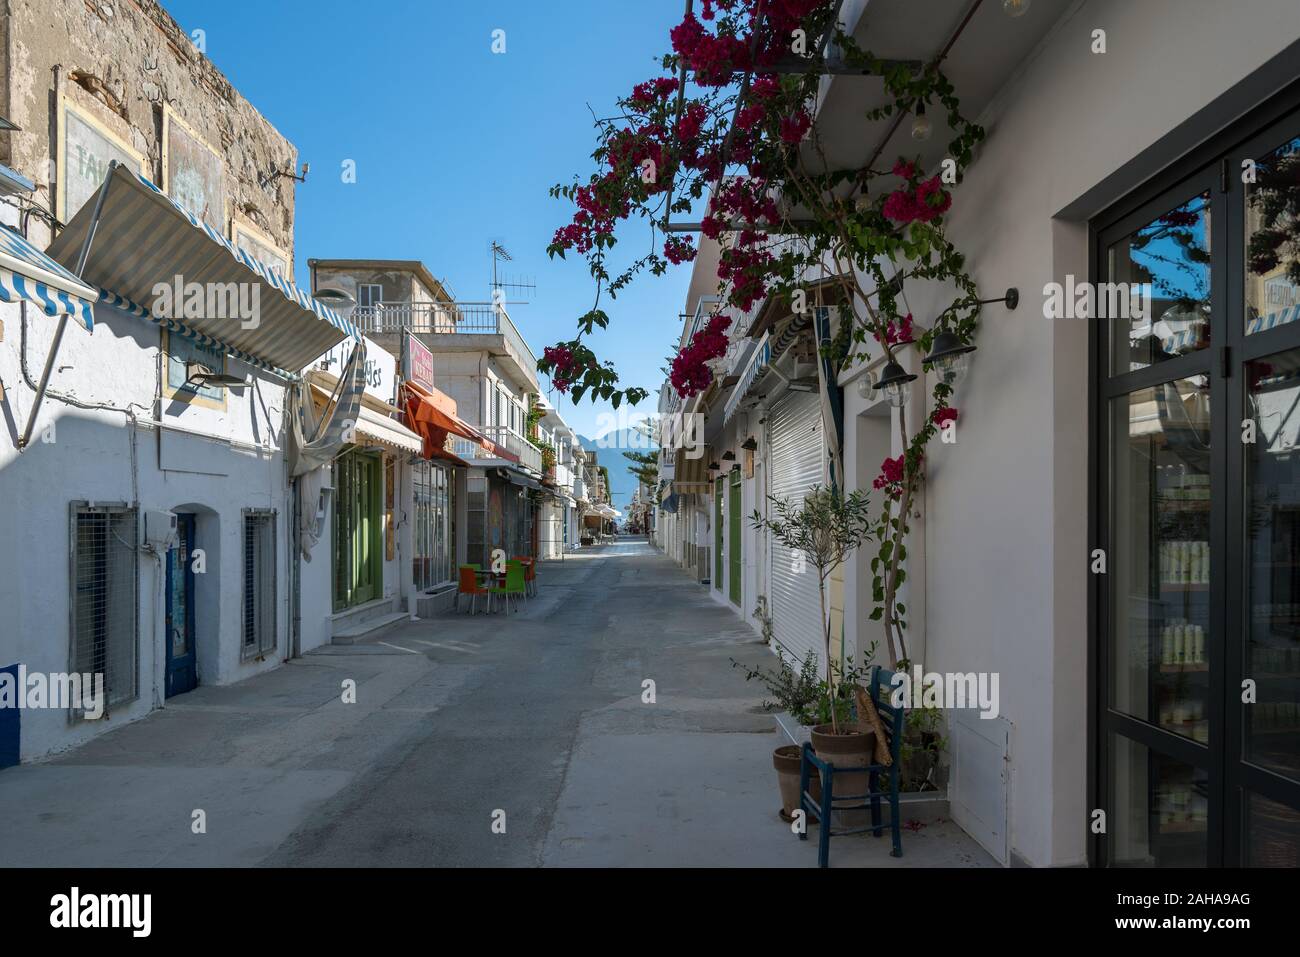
(798,455)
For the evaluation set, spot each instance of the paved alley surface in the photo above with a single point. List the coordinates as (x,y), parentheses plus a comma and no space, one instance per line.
(459,718)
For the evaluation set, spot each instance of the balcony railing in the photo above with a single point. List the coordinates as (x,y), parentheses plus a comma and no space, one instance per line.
(563,477)
(442,318)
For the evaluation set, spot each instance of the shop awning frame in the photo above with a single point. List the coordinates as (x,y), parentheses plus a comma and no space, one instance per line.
(28,274)
(143,238)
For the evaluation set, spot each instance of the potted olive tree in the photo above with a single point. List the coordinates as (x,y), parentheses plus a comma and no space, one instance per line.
(827,527)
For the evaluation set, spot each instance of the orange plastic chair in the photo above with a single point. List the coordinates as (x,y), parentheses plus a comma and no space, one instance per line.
(469,586)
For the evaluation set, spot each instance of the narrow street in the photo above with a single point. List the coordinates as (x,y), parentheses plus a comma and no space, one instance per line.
(539,715)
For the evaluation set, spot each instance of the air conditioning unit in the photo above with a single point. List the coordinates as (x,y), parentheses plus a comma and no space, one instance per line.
(160,531)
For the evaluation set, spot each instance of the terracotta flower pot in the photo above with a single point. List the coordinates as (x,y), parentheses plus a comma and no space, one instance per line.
(848,749)
(786,760)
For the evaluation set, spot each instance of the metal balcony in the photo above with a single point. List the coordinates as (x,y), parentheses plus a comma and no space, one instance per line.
(461,319)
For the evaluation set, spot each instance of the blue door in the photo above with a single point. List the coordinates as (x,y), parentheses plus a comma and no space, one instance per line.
(182,671)
(11,724)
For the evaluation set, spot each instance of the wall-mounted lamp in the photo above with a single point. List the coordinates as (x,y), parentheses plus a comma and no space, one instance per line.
(715,467)
(340,300)
(288,174)
(950,357)
(203,377)
(1015,8)
(728,456)
(896,384)
(750,444)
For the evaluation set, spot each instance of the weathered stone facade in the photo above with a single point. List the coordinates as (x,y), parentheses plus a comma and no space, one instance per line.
(120,61)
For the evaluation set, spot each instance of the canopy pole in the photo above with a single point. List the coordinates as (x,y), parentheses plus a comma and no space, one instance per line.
(63,319)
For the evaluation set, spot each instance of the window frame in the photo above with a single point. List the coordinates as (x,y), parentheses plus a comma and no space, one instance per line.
(264,644)
(76,509)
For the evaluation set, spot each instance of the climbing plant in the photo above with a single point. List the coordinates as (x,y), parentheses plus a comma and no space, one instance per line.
(729,128)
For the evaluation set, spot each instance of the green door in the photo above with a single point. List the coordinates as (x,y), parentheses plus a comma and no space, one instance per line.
(733,591)
(717,533)
(358,529)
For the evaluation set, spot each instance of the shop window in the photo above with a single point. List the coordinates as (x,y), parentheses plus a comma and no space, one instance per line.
(105,636)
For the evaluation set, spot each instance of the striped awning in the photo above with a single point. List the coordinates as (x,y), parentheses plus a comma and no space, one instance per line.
(145,240)
(1281,317)
(27,273)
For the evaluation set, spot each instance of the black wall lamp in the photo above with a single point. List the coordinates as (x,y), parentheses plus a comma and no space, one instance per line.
(750,444)
(896,383)
(950,357)
(728,456)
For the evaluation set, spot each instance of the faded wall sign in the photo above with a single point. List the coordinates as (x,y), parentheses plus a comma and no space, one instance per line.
(86,148)
(258,245)
(193,172)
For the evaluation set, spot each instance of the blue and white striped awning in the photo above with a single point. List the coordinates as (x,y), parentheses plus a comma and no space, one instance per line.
(1279,318)
(759,361)
(146,239)
(27,273)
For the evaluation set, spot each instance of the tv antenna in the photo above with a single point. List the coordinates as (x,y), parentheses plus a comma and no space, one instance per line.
(499,255)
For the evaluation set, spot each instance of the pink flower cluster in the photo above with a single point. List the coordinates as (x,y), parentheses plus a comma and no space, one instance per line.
(679,249)
(890,479)
(943,415)
(564,366)
(900,333)
(918,202)
(688,374)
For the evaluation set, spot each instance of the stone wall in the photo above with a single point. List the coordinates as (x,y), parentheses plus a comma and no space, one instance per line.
(121,61)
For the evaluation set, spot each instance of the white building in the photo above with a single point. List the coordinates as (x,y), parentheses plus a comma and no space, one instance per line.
(148,534)
(1071,437)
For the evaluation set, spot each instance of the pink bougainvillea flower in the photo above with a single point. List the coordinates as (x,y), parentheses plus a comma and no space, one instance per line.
(943,415)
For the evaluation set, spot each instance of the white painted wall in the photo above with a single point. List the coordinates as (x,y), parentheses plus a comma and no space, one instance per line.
(1006,506)
(92,457)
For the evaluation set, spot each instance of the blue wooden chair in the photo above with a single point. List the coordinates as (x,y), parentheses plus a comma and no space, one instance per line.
(893,720)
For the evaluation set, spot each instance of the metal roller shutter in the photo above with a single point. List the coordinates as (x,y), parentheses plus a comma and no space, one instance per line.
(798,455)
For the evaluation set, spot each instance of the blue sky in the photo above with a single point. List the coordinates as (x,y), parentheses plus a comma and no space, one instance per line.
(454,145)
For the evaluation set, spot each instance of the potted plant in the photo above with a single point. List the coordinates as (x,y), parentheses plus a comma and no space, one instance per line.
(826,527)
(798,694)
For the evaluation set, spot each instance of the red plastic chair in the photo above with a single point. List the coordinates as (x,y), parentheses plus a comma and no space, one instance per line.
(469,586)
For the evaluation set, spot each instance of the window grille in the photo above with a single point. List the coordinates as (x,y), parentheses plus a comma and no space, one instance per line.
(104,602)
(259,583)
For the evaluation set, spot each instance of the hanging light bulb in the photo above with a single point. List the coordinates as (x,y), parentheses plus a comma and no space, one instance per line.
(865,386)
(920,124)
(1015,8)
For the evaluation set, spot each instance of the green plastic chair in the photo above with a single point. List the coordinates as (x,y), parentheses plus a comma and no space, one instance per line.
(515,584)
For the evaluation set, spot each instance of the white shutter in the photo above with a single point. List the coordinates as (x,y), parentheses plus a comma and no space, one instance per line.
(798,455)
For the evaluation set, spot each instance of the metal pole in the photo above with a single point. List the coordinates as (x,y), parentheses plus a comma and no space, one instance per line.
(63,320)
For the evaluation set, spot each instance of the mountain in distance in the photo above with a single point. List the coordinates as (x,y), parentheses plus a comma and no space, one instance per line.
(609,449)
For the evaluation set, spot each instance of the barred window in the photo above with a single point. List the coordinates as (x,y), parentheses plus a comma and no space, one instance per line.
(259,583)
(104,567)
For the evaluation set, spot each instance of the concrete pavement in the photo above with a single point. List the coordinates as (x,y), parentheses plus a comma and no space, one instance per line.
(535,723)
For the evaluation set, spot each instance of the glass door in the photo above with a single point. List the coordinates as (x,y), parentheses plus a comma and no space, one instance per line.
(1263,663)
(1158,293)
(1197,504)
